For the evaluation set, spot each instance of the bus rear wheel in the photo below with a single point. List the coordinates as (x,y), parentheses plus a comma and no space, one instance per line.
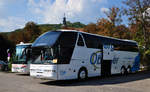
(82,74)
(123,71)
(129,70)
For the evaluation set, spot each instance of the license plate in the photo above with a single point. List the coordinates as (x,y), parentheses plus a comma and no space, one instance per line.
(39,76)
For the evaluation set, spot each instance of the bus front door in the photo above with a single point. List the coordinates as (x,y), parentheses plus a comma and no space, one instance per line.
(107,60)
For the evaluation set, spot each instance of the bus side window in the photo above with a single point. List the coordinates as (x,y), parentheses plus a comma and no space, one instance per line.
(80,41)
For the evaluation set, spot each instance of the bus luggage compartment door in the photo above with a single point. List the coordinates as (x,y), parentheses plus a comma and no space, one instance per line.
(108,52)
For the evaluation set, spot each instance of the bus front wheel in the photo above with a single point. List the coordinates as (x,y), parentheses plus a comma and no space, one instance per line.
(82,74)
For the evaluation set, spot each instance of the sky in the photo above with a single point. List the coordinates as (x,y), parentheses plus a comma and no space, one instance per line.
(14,14)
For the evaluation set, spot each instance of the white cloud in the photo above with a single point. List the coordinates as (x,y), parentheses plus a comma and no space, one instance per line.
(52,11)
(49,11)
(104,9)
(11,23)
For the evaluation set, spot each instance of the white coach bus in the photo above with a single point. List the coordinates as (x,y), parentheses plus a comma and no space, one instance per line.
(70,54)
(22,55)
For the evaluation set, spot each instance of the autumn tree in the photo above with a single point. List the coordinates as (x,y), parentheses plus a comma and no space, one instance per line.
(28,34)
(91,28)
(109,25)
(16,37)
(114,15)
(122,32)
(31,31)
(137,12)
(105,27)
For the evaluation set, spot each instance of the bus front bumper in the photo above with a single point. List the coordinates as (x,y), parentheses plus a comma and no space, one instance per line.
(20,68)
(44,71)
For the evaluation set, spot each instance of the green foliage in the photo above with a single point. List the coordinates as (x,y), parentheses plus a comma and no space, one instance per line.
(12,59)
(28,34)
(75,24)
(47,27)
(136,11)
(138,29)
(4,45)
(114,15)
(32,30)
(146,57)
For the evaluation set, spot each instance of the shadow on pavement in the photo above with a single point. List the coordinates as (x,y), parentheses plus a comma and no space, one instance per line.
(23,74)
(114,79)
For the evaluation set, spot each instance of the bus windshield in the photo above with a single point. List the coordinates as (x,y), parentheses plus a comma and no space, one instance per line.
(47,39)
(54,48)
(44,55)
(20,56)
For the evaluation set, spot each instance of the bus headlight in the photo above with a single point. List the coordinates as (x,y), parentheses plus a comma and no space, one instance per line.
(54,61)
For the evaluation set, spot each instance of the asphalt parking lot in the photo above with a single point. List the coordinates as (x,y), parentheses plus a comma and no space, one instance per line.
(14,82)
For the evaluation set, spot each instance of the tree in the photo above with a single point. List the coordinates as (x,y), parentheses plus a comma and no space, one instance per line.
(137,11)
(108,26)
(91,28)
(114,15)
(4,45)
(122,32)
(105,27)
(31,31)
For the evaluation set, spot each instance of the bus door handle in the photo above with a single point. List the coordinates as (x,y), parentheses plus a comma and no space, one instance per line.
(82,61)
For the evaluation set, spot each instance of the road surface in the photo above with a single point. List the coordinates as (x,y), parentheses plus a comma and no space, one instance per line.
(139,82)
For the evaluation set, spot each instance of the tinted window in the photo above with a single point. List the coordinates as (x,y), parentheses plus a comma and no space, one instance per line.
(132,48)
(66,44)
(80,41)
(47,39)
(67,39)
(92,41)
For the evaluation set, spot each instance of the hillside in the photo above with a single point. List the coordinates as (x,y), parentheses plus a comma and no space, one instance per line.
(32,30)
(28,34)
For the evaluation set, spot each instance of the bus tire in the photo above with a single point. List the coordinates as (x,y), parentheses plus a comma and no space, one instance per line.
(82,74)
(129,69)
(123,71)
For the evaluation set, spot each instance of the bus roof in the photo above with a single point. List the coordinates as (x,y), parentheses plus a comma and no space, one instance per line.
(126,40)
(21,43)
(44,39)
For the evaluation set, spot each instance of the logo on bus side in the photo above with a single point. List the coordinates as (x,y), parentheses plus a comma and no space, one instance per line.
(96,58)
(111,47)
(115,60)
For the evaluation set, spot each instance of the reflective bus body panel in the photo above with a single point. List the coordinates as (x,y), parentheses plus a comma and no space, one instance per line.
(89,58)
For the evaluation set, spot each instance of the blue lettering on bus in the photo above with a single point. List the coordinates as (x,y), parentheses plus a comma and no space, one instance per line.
(109,47)
(62,72)
(115,60)
(95,58)
(112,48)
(99,59)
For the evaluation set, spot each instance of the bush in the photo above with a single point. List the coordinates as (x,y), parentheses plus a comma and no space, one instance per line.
(145,58)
